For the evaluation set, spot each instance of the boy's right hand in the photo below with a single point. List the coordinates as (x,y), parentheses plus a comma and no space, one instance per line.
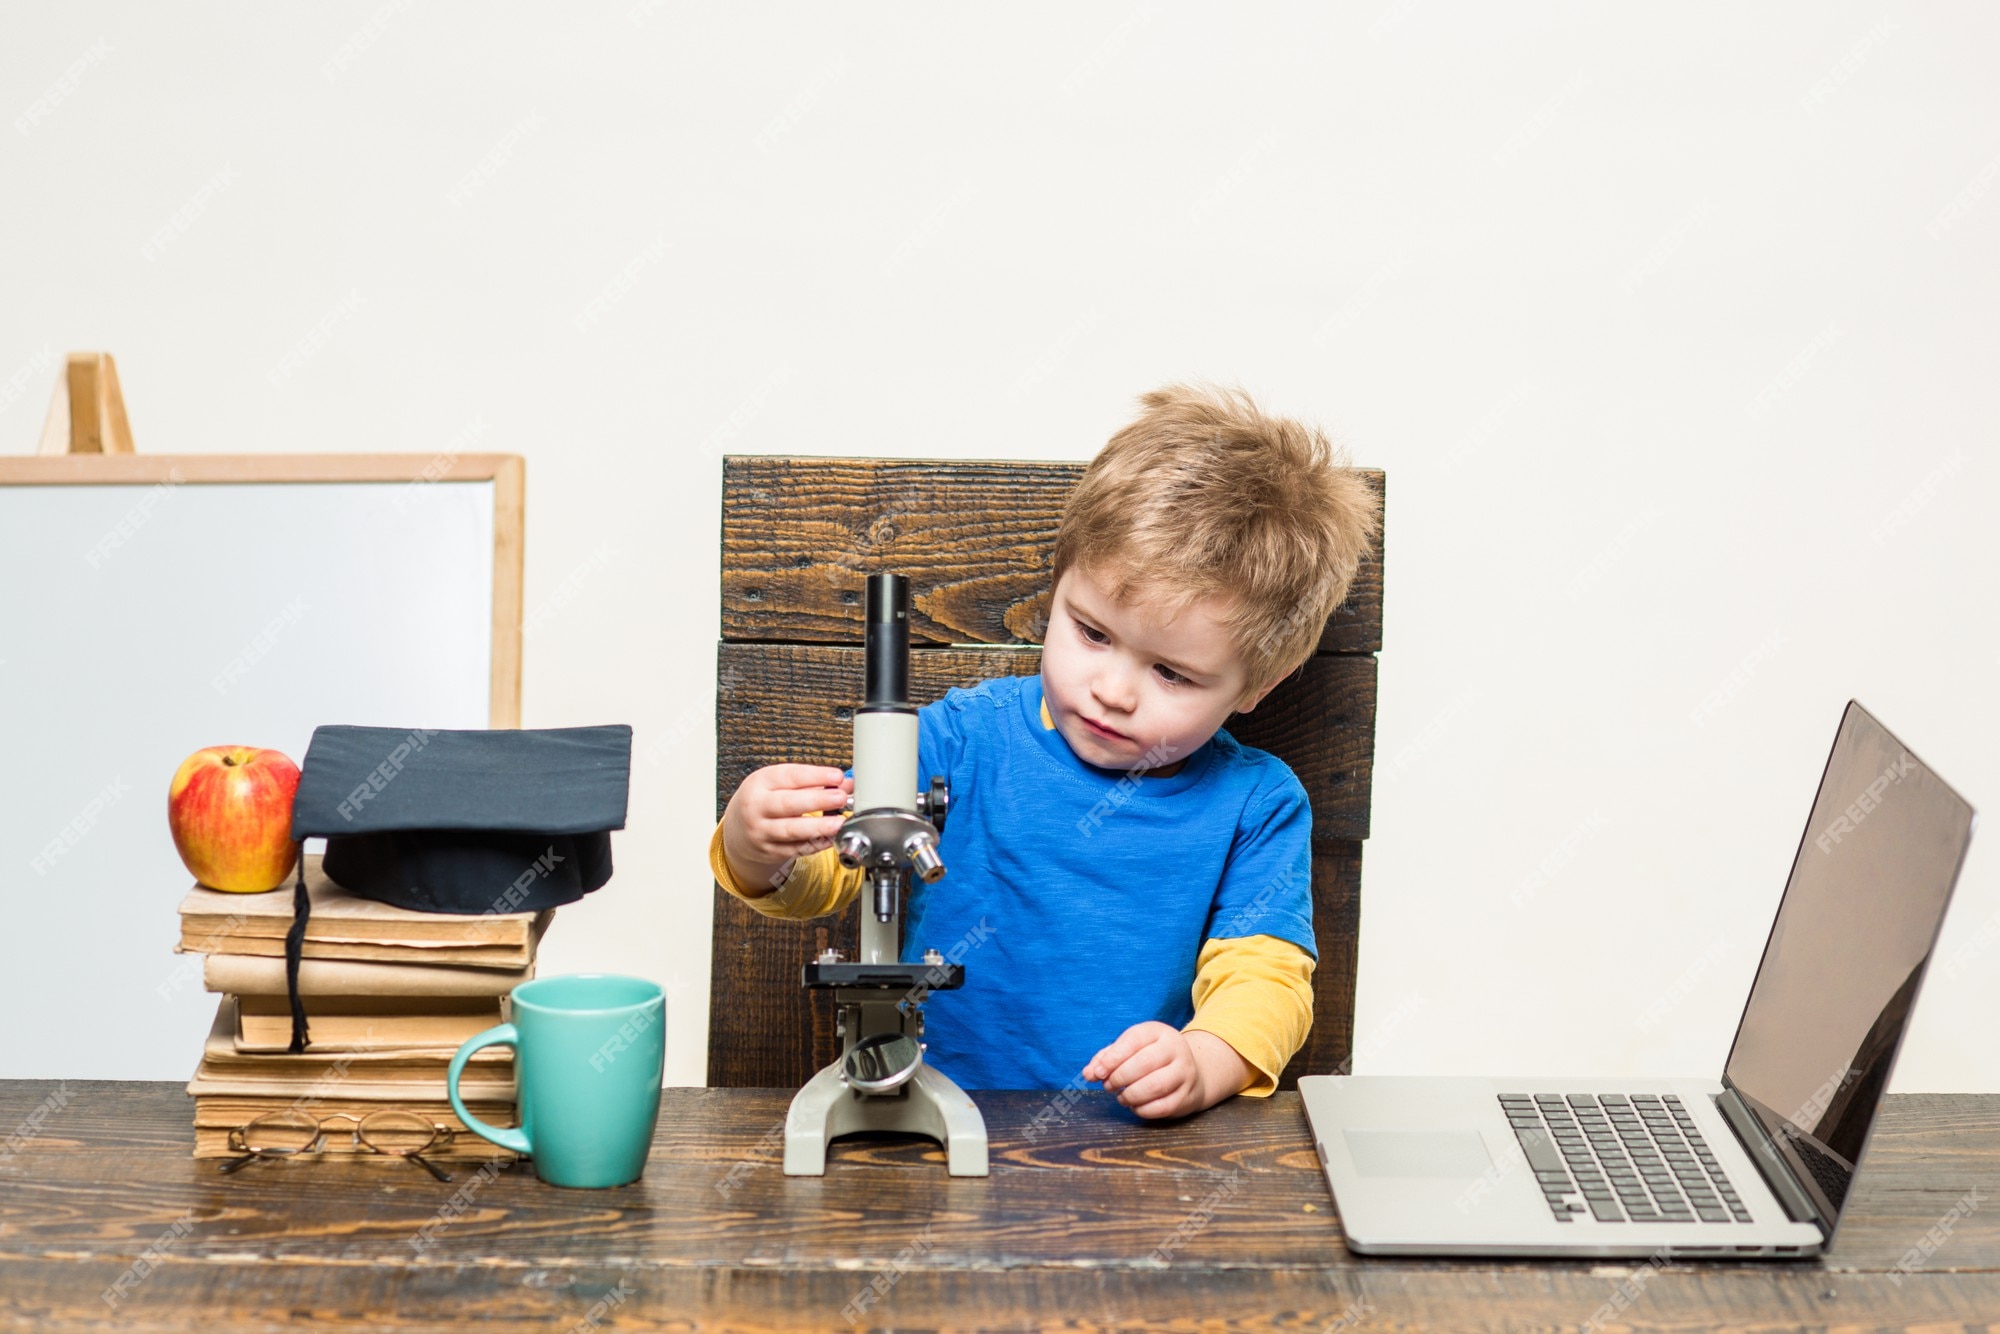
(768,822)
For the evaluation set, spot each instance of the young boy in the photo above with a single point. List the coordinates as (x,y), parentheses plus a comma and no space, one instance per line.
(1127,885)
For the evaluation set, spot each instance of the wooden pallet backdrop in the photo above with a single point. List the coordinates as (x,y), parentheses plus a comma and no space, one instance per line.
(799,538)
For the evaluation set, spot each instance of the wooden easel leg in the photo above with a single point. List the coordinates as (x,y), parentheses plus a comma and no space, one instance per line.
(55,427)
(87,410)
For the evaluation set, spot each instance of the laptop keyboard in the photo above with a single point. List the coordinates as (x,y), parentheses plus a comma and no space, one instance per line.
(1620,1157)
(1832,1177)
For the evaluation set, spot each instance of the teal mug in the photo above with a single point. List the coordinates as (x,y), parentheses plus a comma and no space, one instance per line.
(589,1050)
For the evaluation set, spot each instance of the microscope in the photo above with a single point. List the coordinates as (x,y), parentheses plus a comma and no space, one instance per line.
(881,1081)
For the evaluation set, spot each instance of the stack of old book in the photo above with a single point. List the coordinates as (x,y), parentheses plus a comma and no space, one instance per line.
(390,994)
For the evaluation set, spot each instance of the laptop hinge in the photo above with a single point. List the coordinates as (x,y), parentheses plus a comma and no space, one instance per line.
(1750,1132)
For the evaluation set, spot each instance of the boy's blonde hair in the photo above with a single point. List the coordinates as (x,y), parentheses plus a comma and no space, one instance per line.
(1205,496)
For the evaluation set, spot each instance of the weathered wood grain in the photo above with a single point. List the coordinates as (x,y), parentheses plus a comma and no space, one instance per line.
(793,703)
(240,1295)
(766,1030)
(1076,1227)
(801,535)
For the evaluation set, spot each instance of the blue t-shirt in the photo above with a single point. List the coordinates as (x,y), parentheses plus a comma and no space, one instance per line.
(1079,898)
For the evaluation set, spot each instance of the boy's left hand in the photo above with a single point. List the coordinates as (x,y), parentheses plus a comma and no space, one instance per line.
(1151,1067)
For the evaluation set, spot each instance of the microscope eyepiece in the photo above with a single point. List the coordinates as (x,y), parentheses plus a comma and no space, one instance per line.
(887,643)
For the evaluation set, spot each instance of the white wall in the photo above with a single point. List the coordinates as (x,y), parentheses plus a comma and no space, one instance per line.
(1673,328)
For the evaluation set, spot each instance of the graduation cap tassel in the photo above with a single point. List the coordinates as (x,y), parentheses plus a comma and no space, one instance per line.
(295,942)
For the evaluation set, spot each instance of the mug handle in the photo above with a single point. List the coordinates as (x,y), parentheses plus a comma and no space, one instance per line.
(503,1034)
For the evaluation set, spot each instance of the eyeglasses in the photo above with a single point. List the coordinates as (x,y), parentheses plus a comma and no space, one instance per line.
(296,1131)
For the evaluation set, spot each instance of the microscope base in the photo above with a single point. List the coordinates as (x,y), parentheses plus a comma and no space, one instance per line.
(930,1104)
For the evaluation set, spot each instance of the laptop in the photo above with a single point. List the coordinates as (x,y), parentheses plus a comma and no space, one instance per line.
(1758,1163)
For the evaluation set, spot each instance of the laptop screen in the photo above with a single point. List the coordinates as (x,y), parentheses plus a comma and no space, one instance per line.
(1840,973)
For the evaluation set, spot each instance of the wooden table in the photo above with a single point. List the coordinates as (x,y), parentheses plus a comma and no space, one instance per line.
(1102,1220)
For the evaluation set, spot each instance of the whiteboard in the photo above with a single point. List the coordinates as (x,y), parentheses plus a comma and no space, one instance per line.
(141,620)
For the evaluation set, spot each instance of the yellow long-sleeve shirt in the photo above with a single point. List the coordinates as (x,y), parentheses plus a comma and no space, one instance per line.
(1253,992)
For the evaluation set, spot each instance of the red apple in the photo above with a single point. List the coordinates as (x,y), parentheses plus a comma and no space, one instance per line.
(230,809)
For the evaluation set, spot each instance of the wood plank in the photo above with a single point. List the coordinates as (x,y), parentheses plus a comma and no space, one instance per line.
(238,1294)
(503,704)
(794,703)
(800,536)
(127,469)
(1103,1221)
(1336,894)
(766,1030)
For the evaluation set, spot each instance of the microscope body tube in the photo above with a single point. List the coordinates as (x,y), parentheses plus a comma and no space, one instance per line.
(885,749)
(885,761)
(885,726)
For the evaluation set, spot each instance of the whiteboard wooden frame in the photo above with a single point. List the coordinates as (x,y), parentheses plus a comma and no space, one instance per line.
(507,472)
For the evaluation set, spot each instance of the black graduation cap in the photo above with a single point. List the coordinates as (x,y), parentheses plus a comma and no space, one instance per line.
(447,821)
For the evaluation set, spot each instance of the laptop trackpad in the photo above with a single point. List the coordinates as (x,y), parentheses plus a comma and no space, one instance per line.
(1417,1153)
